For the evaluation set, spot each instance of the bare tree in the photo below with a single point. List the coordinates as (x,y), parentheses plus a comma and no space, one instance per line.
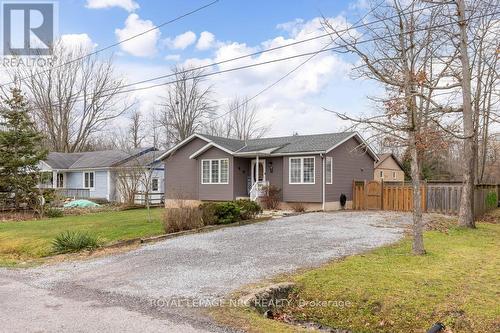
(187,105)
(240,121)
(403,58)
(136,130)
(72,100)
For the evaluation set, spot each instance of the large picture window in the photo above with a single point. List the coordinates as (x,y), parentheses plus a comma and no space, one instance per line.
(215,171)
(329,170)
(88,179)
(302,170)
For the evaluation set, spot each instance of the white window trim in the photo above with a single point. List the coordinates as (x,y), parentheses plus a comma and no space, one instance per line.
(394,175)
(83,180)
(381,174)
(329,158)
(210,171)
(301,158)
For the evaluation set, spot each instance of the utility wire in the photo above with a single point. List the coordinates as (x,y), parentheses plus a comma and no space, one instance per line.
(117,43)
(264,62)
(328,34)
(340,47)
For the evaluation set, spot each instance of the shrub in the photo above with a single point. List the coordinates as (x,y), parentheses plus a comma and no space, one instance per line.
(183,218)
(74,241)
(248,209)
(52,212)
(491,200)
(298,207)
(208,216)
(272,198)
(227,212)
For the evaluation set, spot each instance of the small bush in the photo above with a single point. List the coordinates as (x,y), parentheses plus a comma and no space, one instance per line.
(53,212)
(298,207)
(272,198)
(208,216)
(183,218)
(491,200)
(227,212)
(74,241)
(248,209)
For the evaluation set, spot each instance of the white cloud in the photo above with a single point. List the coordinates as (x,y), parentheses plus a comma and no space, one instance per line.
(128,5)
(206,41)
(78,41)
(143,46)
(295,103)
(173,57)
(180,42)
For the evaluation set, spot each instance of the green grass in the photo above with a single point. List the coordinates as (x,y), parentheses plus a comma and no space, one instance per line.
(390,290)
(28,240)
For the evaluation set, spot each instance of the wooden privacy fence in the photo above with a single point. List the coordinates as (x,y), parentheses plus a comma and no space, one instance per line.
(436,197)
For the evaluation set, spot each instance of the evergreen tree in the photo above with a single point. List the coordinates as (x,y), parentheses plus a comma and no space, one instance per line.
(20,150)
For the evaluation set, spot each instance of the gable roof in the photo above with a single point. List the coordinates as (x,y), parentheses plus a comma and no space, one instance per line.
(89,160)
(286,145)
(384,156)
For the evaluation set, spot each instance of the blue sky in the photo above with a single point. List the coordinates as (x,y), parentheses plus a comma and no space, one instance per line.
(224,30)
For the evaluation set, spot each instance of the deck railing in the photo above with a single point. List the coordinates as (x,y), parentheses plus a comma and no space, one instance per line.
(75,193)
(155,199)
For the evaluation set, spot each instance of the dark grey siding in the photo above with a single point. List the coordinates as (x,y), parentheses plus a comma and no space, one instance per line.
(241,174)
(302,192)
(181,172)
(349,163)
(215,191)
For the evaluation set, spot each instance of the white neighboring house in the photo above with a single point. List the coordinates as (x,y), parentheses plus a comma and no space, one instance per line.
(94,174)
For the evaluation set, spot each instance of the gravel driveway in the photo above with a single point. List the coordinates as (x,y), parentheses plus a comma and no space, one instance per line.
(128,291)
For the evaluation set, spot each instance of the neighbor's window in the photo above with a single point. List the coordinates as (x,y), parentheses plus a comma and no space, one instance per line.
(329,170)
(394,174)
(381,174)
(215,171)
(155,184)
(88,179)
(301,170)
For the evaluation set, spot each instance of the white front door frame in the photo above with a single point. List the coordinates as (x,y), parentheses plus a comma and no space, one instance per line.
(261,161)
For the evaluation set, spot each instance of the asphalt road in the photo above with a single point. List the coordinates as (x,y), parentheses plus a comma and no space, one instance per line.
(166,286)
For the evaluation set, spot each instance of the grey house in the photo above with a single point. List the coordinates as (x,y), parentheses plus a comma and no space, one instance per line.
(311,169)
(94,174)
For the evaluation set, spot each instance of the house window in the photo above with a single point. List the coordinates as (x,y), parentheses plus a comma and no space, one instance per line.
(329,170)
(155,184)
(88,179)
(381,174)
(394,175)
(215,171)
(301,170)
(60,180)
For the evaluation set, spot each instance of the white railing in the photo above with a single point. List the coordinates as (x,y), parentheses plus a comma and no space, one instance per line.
(258,189)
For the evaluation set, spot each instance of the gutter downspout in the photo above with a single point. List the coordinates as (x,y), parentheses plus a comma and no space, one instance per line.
(323,182)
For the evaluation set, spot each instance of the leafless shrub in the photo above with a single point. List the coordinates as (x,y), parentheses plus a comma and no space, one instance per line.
(272,198)
(298,207)
(184,218)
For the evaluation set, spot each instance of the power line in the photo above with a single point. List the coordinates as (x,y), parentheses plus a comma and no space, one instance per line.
(329,34)
(268,61)
(231,59)
(117,43)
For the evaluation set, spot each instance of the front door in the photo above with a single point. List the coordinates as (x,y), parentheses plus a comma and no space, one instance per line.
(262,171)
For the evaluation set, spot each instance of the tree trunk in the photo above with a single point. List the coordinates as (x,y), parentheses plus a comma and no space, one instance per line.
(466,214)
(418,237)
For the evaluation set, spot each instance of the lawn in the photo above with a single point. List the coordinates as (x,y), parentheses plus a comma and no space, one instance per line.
(20,241)
(390,290)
